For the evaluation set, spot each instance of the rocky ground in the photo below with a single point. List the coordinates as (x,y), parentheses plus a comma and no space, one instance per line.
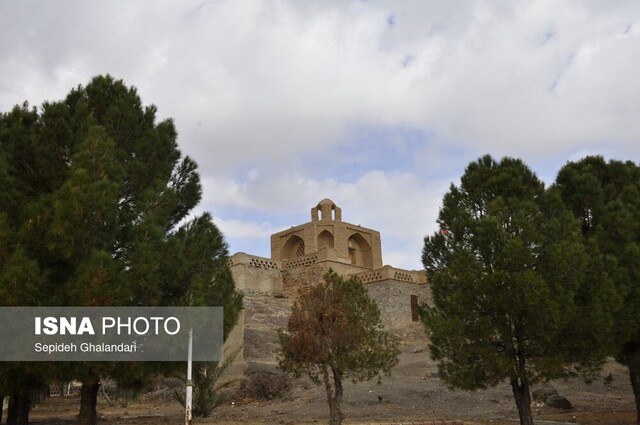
(413,394)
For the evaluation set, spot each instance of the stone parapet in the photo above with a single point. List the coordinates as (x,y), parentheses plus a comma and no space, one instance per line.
(256,275)
(324,254)
(304,261)
(392,273)
(254,261)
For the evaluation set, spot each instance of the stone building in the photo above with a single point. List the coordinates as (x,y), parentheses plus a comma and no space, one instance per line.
(300,256)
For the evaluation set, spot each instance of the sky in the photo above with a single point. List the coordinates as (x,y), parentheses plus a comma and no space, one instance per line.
(377,105)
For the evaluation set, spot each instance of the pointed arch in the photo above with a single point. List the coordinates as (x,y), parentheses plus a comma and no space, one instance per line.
(360,251)
(325,239)
(294,247)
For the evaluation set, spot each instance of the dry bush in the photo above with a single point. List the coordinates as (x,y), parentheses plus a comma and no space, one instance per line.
(265,385)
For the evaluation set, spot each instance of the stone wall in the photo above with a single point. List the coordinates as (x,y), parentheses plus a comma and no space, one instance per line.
(259,279)
(270,287)
(301,277)
(256,275)
(263,316)
(394,300)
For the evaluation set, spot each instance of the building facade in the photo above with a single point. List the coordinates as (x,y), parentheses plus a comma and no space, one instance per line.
(300,256)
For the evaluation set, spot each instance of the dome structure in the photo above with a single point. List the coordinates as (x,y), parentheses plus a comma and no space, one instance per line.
(326,210)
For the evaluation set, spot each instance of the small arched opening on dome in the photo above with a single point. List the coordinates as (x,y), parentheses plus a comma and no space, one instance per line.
(326,210)
(293,248)
(325,239)
(360,251)
(328,213)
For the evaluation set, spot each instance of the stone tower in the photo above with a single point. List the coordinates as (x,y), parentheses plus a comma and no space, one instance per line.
(300,256)
(344,243)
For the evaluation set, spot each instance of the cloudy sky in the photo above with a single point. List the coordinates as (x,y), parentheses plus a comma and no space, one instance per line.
(378,105)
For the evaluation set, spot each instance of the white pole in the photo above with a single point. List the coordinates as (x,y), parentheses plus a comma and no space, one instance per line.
(189,398)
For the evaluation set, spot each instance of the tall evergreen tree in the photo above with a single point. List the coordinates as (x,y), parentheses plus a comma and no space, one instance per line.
(22,279)
(606,198)
(97,214)
(508,274)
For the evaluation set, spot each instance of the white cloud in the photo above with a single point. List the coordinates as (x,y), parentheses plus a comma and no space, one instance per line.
(238,229)
(258,88)
(249,79)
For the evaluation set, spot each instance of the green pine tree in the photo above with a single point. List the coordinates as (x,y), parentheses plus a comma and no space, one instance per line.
(509,278)
(98,211)
(606,198)
(23,280)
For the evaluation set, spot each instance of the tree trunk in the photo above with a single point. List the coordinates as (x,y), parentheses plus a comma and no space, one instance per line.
(523,400)
(334,396)
(634,375)
(88,400)
(18,412)
(337,399)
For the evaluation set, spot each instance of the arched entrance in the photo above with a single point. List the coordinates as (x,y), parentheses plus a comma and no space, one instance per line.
(325,239)
(360,251)
(293,248)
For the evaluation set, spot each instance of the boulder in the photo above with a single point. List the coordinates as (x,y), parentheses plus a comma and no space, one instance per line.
(558,402)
